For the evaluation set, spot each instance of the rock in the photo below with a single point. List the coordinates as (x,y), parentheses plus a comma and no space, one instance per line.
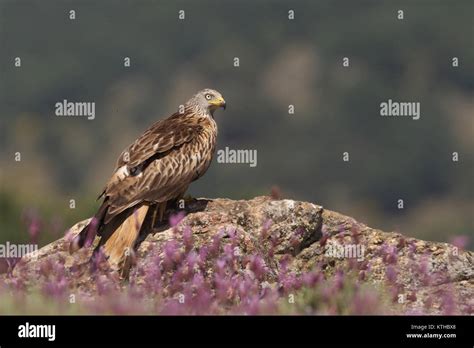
(424,274)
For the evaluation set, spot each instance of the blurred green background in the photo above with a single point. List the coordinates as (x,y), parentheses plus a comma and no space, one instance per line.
(282,62)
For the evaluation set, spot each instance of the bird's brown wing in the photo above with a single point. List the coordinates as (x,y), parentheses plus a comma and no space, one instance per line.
(158,139)
(151,163)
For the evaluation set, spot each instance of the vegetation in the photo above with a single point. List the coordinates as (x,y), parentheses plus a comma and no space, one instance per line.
(282,62)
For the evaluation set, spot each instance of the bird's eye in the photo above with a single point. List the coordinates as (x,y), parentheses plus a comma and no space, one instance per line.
(208,96)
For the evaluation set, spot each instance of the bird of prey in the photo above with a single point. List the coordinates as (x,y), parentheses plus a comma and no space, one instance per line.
(154,170)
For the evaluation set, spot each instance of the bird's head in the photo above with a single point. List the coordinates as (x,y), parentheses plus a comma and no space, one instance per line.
(208,100)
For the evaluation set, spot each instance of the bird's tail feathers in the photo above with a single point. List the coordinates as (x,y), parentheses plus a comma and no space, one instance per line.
(119,245)
(118,237)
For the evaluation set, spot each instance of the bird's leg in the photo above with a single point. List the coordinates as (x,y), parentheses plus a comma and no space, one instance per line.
(158,214)
(153,219)
(161,211)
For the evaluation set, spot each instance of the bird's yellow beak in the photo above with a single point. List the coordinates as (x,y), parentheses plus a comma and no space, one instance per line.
(219,102)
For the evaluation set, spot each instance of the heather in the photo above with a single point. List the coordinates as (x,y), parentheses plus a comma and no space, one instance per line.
(277,267)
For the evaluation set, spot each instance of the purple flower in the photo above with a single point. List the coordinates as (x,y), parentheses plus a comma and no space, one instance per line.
(175,219)
(341,228)
(215,244)
(355,233)
(99,259)
(91,232)
(324,235)
(34,224)
(310,279)
(447,302)
(244,288)
(231,233)
(203,254)
(192,259)
(188,238)
(339,280)
(391,274)
(228,252)
(391,255)
(55,288)
(460,241)
(258,266)
(220,266)
(172,254)
(364,303)
(266,228)
(223,288)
